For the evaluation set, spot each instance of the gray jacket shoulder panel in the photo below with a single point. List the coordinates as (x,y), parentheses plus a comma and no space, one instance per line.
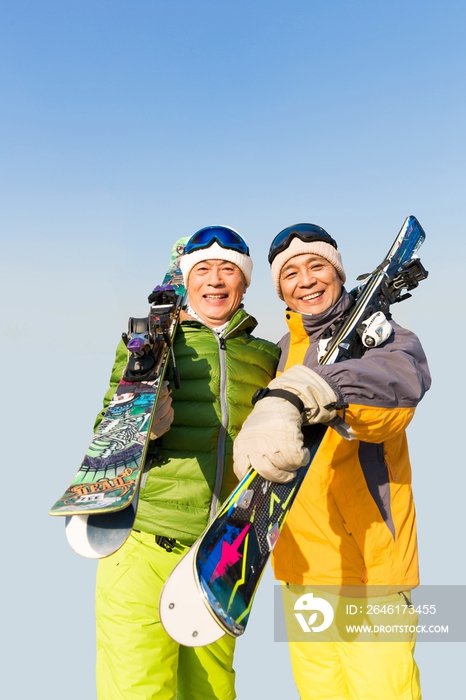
(395,374)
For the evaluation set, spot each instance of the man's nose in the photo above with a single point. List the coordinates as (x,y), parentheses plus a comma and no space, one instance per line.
(215,278)
(306,278)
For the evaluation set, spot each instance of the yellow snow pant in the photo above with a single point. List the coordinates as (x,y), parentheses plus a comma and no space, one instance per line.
(136,659)
(365,651)
(355,670)
(327,668)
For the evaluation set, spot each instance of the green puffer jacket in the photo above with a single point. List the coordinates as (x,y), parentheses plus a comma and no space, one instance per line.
(191,473)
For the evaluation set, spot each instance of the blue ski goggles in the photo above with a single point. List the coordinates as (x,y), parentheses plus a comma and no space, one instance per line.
(305,232)
(224,236)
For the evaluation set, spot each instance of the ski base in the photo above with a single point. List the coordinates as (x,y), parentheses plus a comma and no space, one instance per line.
(98,536)
(183,613)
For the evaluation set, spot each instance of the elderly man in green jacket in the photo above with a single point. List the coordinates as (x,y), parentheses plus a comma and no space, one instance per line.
(189,474)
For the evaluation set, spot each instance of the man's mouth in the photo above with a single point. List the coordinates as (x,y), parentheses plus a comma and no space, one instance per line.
(215,296)
(309,297)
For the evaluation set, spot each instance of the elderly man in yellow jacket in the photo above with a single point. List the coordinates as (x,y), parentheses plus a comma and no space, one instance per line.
(352,529)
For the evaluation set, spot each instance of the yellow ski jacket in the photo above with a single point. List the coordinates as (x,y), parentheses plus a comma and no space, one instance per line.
(353,524)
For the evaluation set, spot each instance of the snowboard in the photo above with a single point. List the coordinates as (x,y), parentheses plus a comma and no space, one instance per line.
(100,503)
(230,557)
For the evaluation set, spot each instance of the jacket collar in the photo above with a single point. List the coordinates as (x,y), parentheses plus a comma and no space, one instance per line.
(240,322)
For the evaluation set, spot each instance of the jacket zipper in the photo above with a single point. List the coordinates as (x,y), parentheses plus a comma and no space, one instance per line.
(223,430)
(214,504)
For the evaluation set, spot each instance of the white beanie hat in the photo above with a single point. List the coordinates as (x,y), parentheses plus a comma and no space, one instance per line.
(216,252)
(299,247)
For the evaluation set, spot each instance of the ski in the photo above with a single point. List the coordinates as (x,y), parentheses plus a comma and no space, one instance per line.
(230,557)
(101,502)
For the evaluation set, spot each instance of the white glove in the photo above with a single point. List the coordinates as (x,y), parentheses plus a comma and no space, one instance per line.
(318,397)
(164,413)
(271,439)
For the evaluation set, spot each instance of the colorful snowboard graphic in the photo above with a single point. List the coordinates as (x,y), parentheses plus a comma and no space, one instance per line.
(109,476)
(231,555)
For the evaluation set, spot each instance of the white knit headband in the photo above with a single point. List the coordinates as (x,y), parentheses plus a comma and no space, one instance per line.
(216,252)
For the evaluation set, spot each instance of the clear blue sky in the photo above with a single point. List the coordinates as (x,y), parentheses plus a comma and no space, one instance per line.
(126,124)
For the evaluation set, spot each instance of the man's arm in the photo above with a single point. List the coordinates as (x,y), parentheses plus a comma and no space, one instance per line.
(381,390)
(394,374)
(383,387)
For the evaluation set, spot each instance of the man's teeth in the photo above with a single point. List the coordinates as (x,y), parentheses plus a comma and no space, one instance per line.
(215,296)
(312,296)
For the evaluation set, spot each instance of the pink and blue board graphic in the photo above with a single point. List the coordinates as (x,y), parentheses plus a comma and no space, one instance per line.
(232,554)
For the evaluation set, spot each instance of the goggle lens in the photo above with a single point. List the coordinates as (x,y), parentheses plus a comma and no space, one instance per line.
(225,237)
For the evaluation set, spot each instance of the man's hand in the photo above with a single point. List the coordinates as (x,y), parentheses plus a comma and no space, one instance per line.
(164,413)
(271,439)
(318,397)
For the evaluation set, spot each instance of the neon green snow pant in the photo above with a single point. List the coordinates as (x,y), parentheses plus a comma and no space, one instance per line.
(136,659)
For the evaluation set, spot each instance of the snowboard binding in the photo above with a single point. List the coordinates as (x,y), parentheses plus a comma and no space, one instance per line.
(147,338)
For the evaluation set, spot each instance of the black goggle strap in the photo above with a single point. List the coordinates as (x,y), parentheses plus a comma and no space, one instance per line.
(281,243)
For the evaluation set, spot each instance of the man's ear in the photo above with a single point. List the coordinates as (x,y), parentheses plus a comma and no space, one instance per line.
(245,285)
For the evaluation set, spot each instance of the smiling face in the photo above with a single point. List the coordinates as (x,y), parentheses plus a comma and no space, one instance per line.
(310,284)
(216,289)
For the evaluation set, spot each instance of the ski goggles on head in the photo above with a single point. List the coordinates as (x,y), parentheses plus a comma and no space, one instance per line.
(305,232)
(226,238)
